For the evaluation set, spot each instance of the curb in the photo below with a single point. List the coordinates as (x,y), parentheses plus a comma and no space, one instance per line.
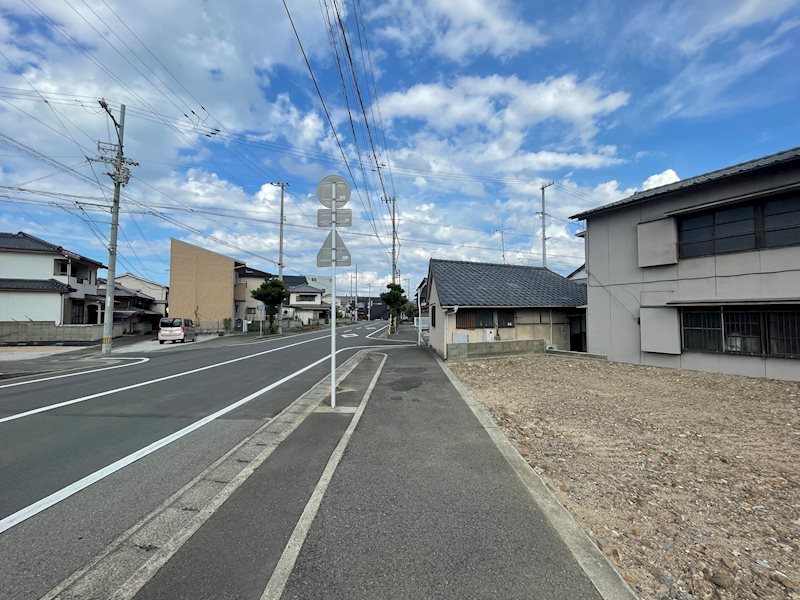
(605,578)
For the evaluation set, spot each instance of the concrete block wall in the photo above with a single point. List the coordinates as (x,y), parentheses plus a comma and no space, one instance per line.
(456,352)
(12,332)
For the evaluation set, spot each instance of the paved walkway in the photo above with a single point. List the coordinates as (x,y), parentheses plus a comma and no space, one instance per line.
(425,506)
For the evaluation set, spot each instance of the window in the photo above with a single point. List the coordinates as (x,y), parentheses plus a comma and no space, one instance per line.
(505,318)
(783,333)
(732,330)
(433,315)
(251,312)
(766,224)
(60,267)
(468,318)
(702,331)
(306,297)
(782,222)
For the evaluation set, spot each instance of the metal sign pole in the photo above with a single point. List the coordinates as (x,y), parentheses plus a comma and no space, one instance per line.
(333,295)
(330,216)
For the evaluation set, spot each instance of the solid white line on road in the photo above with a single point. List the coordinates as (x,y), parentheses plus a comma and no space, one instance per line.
(272,339)
(150,382)
(277,583)
(139,361)
(376,331)
(64,493)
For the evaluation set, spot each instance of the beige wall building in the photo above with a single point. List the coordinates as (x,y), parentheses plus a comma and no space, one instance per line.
(473,303)
(203,285)
(701,274)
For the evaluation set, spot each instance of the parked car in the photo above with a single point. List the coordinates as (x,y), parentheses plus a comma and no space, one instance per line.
(176,329)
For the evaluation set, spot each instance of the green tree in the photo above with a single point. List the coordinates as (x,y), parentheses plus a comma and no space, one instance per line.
(272,293)
(395,301)
(409,311)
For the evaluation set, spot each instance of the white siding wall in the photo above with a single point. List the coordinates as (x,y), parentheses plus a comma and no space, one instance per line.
(26,265)
(30,306)
(436,334)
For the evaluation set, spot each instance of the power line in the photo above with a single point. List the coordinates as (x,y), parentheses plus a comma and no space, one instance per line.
(328,115)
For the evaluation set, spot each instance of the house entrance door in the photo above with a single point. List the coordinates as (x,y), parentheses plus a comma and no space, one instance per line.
(577,333)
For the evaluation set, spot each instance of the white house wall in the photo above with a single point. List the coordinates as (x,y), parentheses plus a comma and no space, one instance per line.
(22,265)
(436,334)
(30,306)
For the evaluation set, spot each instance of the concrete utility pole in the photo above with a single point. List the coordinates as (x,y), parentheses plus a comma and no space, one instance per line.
(502,242)
(369,302)
(544,235)
(356,306)
(281,185)
(393,201)
(120,176)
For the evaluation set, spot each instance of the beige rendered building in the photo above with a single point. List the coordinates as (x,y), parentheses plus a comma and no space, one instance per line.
(203,285)
(701,274)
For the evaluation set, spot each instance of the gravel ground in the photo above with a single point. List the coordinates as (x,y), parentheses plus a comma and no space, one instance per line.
(687,481)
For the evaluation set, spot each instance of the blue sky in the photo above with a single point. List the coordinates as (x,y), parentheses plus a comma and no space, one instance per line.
(471,105)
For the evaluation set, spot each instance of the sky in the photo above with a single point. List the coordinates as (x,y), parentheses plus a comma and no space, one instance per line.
(460,111)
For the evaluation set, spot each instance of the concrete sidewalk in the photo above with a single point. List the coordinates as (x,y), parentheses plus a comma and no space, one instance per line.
(425,505)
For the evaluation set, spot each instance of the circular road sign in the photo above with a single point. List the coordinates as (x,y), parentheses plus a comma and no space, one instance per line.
(325,191)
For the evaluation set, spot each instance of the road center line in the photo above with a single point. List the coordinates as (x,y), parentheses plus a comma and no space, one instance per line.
(140,361)
(64,493)
(150,382)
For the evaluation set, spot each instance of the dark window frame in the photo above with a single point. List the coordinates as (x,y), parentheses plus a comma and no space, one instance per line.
(698,233)
(762,331)
(506,318)
(475,318)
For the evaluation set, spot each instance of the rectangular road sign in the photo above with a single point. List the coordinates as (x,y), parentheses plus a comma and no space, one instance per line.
(342,253)
(344,217)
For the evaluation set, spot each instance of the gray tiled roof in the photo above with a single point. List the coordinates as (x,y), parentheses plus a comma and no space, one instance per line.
(739,169)
(34,285)
(24,242)
(306,288)
(27,243)
(246,271)
(486,284)
(293,280)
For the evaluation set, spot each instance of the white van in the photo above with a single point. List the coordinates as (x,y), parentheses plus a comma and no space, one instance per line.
(176,329)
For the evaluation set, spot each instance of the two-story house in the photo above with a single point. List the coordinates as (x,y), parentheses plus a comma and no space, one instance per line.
(157,291)
(703,273)
(41,281)
(306,305)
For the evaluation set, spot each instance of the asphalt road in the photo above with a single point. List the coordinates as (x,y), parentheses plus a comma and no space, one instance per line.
(75,467)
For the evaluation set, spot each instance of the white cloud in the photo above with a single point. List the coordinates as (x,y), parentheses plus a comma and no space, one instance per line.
(665,177)
(495,102)
(456,30)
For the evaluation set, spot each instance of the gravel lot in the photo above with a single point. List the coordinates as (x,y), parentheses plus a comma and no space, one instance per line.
(687,481)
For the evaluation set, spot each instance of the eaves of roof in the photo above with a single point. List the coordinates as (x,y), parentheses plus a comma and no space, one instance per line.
(751,166)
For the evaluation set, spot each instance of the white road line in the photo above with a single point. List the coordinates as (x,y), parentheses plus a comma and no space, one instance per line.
(140,360)
(64,493)
(150,382)
(369,335)
(277,582)
(273,339)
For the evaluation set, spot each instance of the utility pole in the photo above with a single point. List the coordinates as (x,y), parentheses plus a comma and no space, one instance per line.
(356,306)
(281,185)
(502,242)
(393,201)
(369,302)
(120,176)
(544,235)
